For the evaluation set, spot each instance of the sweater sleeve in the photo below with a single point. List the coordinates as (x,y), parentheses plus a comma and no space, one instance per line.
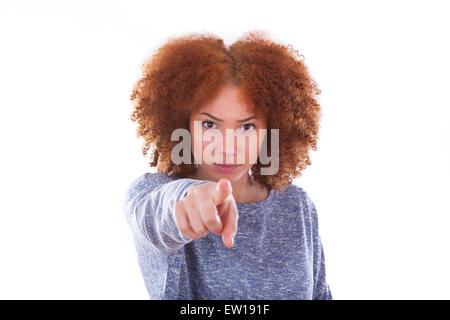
(321,289)
(149,207)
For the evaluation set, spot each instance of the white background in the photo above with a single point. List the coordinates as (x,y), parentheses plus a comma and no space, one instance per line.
(379,180)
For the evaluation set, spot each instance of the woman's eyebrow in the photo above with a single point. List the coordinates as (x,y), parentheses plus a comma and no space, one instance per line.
(220,120)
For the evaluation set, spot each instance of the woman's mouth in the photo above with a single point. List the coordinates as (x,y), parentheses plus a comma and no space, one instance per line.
(225,168)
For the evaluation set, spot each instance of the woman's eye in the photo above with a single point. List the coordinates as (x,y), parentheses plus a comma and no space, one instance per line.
(208,124)
(248,126)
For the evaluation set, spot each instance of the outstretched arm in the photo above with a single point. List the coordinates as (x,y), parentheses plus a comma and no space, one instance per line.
(150,209)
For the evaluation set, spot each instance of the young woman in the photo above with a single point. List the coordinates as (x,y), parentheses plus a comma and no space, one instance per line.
(214,227)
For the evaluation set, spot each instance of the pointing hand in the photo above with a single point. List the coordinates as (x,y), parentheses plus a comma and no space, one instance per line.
(208,207)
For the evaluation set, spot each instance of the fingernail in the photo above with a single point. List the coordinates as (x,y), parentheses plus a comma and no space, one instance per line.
(232,241)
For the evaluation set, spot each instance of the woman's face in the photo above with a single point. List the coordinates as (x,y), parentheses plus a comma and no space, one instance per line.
(209,127)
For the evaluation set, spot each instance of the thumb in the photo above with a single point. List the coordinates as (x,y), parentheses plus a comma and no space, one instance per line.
(222,191)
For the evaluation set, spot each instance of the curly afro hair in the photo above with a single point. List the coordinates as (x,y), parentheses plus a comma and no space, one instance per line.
(188,71)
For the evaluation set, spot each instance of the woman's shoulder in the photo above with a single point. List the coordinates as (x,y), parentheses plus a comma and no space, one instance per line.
(293,191)
(297,196)
(149,177)
(157,177)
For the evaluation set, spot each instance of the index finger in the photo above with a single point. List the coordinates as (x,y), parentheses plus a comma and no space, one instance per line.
(222,190)
(230,223)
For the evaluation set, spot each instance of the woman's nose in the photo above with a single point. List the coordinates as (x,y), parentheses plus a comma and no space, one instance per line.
(229,147)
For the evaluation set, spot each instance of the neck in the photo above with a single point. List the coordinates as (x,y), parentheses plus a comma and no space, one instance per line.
(241,187)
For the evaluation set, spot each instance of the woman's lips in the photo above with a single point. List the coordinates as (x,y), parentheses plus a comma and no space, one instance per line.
(225,168)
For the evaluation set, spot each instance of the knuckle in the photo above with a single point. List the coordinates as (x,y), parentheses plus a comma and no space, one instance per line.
(190,204)
(200,230)
(210,220)
(184,230)
(202,197)
(195,190)
(178,207)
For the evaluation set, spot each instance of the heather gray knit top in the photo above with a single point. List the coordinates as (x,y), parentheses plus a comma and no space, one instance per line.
(277,252)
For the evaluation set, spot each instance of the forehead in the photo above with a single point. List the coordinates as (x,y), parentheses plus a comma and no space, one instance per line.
(227,104)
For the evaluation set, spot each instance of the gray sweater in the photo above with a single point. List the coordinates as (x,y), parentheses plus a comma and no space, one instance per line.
(277,252)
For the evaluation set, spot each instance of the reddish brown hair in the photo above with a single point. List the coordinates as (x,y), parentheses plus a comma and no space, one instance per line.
(187,72)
